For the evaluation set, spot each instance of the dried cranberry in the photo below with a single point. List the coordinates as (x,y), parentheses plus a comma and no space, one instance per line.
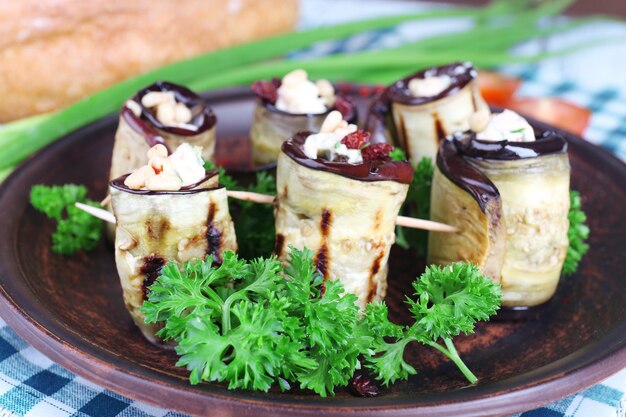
(265,90)
(376,151)
(362,386)
(356,139)
(345,106)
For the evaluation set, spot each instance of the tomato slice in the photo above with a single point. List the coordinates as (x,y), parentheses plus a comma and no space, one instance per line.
(555,111)
(497,89)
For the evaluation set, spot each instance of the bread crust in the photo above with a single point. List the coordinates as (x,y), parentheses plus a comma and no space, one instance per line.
(54,52)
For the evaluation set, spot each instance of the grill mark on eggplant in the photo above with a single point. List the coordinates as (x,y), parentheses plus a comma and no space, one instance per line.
(278,246)
(374,269)
(213,236)
(440,132)
(156,228)
(321,257)
(151,269)
(286,192)
(322,261)
(325,222)
(378,218)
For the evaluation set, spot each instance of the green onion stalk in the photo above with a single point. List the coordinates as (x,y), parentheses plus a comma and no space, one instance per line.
(496,29)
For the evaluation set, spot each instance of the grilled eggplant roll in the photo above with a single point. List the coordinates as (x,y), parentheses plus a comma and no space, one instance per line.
(285,107)
(159,220)
(344,211)
(162,113)
(417,112)
(509,194)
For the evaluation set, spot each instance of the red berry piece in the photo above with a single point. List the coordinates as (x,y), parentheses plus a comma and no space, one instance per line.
(376,151)
(266,91)
(356,139)
(346,107)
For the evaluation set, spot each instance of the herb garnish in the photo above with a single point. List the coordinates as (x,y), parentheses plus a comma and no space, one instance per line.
(255,324)
(254,223)
(577,233)
(417,204)
(75,229)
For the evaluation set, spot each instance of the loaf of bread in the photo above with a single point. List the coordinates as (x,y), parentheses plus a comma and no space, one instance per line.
(54,52)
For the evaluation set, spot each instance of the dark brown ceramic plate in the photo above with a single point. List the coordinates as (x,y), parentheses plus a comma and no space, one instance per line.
(71,308)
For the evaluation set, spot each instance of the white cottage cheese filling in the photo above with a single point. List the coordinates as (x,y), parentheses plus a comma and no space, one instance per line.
(507,125)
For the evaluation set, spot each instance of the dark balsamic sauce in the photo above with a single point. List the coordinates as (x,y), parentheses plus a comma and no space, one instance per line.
(454,151)
(144,128)
(202,115)
(460,74)
(547,143)
(465,175)
(118,183)
(379,115)
(377,170)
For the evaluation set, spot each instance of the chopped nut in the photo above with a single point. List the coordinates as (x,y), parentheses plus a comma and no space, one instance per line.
(138,178)
(157,150)
(166,112)
(295,77)
(332,122)
(133,106)
(183,114)
(164,181)
(325,88)
(479,120)
(154,98)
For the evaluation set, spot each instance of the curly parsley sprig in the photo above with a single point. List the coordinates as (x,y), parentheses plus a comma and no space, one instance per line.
(75,229)
(577,234)
(448,301)
(417,204)
(254,221)
(255,324)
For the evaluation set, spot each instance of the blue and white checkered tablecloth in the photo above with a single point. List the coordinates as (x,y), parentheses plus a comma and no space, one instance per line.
(31,385)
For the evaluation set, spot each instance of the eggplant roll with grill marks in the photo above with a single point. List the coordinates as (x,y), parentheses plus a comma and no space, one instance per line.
(293,104)
(509,195)
(420,110)
(162,113)
(155,227)
(344,209)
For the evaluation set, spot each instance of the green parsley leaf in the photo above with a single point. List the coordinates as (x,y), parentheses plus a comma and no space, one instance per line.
(417,204)
(449,300)
(76,229)
(577,234)
(254,221)
(397,154)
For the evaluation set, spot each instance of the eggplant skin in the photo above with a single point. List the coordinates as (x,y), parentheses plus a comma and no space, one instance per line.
(270,128)
(482,240)
(155,229)
(526,236)
(130,148)
(349,224)
(421,127)
(535,201)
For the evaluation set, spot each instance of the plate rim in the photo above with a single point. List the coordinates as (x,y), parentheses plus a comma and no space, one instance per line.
(60,351)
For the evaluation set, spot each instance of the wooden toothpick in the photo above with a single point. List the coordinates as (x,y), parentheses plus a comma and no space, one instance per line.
(102,214)
(403,221)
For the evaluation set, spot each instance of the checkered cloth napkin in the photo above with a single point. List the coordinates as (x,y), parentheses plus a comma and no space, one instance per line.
(31,385)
